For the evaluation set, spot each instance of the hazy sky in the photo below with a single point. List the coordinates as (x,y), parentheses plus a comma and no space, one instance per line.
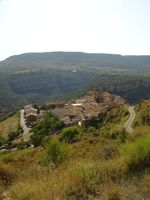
(104,26)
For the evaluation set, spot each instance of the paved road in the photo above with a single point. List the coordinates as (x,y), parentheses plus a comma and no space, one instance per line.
(22,123)
(128,124)
(25,135)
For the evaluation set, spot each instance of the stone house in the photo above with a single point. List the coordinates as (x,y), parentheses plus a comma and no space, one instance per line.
(31,114)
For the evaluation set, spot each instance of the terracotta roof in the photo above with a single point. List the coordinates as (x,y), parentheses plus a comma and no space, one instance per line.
(91,105)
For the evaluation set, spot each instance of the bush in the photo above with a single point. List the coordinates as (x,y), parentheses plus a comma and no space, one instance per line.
(122,135)
(23,145)
(119,134)
(85,184)
(36,139)
(13,135)
(70,134)
(92,131)
(137,154)
(108,152)
(94,122)
(145,117)
(113,193)
(45,127)
(6,174)
(56,152)
(89,177)
(2,140)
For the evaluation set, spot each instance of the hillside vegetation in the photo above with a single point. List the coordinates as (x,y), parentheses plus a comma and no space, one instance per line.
(39,77)
(133,88)
(142,120)
(101,161)
(9,125)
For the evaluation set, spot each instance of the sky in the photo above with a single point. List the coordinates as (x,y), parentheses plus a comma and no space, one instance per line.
(94,26)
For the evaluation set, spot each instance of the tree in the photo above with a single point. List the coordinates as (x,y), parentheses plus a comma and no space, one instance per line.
(70,134)
(12,135)
(146,118)
(2,140)
(56,151)
(36,139)
(45,127)
(37,108)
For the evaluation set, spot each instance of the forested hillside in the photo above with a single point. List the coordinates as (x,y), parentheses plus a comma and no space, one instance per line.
(132,88)
(38,77)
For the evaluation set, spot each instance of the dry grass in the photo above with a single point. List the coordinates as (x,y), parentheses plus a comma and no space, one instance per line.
(9,125)
(7,175)
(79,178)
(21,159)
(76,178)
(80,181)
(83,176)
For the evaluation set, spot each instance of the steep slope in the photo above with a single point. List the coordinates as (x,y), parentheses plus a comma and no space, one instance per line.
(102,163)
(133,88)
(142,120)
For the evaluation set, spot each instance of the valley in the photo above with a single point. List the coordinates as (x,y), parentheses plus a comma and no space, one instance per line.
(40,77)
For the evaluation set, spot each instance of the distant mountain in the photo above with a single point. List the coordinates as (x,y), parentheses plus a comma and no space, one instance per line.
(38,77)
(77,59)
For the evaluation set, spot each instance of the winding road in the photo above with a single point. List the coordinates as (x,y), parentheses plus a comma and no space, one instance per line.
(22,123)
(128,124)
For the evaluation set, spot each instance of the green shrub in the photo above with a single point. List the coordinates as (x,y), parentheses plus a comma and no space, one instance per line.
(122,135)
(86,182)
(6,174)
(145,117)
(106,134)
(94,122)
(13,135)
(45,127)
(112,192)
(36,139)
(56,152)
(119,134)
(108,151)
(2,140)
(137,154)
(90,176)
(23,145)
(70,134)
(92,131)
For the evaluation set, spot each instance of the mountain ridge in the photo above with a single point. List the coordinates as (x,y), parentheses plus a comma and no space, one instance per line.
(38,77)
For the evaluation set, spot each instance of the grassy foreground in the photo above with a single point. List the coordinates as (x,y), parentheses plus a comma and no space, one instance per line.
(118,177)
(103,163)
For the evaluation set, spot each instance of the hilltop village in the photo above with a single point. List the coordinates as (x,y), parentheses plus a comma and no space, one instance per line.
(77,112)
(93,104)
